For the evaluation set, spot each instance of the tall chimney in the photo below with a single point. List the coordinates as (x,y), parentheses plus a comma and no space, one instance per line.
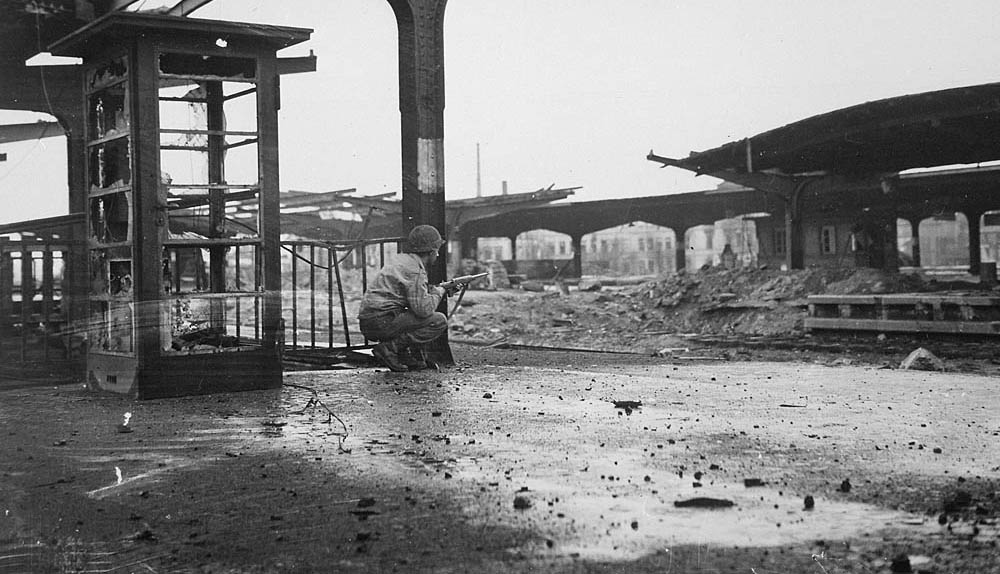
(479,180)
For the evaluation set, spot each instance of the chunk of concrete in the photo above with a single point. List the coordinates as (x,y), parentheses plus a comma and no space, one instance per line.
(922,360)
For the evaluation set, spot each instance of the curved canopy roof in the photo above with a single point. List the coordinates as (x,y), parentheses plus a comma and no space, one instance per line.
(953,126)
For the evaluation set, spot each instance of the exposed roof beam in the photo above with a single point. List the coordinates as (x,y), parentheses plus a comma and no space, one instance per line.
(317,199)
(185,7)
(25,132)
(764,181)
(114,5)
(298,64)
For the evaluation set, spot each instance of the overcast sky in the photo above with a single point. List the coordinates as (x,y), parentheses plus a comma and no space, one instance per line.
(576,92)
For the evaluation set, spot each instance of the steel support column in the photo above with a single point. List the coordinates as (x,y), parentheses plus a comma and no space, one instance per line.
(420,26)
(915,241)
(794,236)
(577,241)
(975,240)
(680,250)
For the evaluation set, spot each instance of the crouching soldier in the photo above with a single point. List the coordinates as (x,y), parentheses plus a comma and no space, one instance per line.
(399,308)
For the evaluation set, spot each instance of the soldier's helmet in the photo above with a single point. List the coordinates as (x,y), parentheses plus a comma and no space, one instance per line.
(423,239)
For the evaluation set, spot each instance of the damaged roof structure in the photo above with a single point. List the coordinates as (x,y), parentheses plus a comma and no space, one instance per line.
(884,137)
(854,162)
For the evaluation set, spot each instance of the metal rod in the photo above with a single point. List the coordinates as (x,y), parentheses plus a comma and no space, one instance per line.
(343,305)
(295,297)
(239,301)
(312,296)
(256,302)
(363,248)
(331,256)
(47,280)
(27,294)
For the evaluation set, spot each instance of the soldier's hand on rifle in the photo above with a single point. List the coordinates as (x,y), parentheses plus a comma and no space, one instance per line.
(450,287)
(459,283)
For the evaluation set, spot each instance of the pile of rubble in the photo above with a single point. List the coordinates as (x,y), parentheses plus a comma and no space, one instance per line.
(713,301)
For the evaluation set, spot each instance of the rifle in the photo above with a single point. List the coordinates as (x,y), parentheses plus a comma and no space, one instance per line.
(460,284)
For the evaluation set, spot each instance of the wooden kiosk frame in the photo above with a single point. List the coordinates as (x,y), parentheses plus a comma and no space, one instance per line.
(181,120)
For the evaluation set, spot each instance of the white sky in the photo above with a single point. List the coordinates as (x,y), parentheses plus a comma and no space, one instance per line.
(576,92)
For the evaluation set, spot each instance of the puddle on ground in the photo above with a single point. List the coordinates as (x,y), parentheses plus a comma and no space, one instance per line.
(625,521)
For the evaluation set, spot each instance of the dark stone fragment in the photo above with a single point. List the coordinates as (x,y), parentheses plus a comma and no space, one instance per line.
(703,502)
(901,564)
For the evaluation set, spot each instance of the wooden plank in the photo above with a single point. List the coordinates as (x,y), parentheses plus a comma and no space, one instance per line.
(905,326)
(903,299)
(843,299)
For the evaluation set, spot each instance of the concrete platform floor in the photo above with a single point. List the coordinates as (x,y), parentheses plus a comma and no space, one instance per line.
(513,462)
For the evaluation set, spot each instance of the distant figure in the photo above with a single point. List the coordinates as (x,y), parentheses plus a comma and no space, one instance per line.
(399,308)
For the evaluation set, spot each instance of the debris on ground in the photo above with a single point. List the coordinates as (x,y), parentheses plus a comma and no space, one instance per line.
(704,502)
(627,406)
(900,564)
(922,360)
(521,502)
(677,316)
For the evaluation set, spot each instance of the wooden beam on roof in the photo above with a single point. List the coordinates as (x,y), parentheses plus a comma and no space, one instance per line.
(297,65)
(32,131)
(114,5)
(185,7)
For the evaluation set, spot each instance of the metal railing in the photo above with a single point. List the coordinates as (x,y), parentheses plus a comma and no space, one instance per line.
(34,320)
(322,285)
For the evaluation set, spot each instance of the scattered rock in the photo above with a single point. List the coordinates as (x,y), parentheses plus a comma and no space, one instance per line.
(703,502)
(901,564)
(628,406)
(533,286)
(144,535)
(957,501)
(521,502)
(922,360)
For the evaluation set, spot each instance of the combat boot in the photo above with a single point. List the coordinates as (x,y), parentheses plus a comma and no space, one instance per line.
(387,353)
(413,357)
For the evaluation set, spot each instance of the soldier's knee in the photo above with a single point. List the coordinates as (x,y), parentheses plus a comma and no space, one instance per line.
(439,321)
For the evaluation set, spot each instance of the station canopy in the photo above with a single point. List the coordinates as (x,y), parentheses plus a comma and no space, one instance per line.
(945,127)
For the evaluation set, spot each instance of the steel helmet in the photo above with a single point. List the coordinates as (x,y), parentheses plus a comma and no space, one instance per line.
(423,239)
